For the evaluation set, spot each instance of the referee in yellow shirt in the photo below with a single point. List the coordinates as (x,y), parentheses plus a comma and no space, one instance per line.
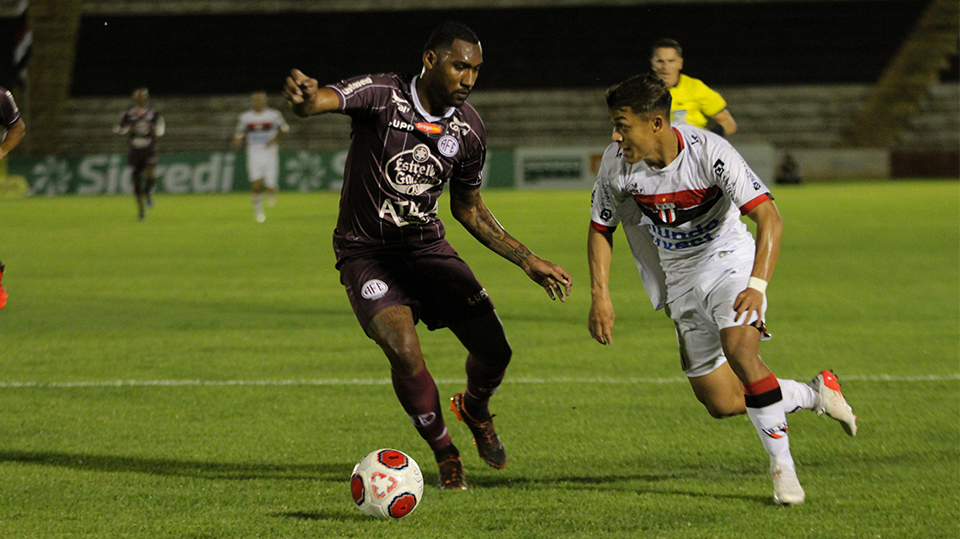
(693,101)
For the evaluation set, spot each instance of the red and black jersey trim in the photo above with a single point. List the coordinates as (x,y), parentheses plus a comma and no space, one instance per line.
(674,209)
(602,228)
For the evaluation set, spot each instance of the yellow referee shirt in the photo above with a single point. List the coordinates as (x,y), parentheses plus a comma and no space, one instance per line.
(693,101)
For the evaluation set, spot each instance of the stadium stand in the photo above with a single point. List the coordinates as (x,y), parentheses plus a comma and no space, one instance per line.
(806,101)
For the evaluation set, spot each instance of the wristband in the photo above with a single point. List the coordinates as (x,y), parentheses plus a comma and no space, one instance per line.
(758,284)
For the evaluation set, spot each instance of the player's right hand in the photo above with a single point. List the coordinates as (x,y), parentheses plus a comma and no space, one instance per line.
(299,88)
(600,321)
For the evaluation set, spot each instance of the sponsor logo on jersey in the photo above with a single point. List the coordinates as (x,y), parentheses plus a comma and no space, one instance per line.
(448,146)
(427,127)
(405,212)
(718,168)
(402,104)
(459,126)
(374,289)
(401,125)
(671,239)
(356,85)
(478,297)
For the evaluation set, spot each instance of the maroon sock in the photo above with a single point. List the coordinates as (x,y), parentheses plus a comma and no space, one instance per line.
(420,399)
(482,383)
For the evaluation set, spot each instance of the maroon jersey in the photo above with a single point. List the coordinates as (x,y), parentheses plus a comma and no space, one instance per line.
(9,113)
(143,126)
(399,160)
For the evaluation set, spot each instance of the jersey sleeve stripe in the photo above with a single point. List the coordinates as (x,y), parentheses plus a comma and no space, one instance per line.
(749,206)
(601,227)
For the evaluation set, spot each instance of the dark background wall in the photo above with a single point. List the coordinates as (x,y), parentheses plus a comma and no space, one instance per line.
(739,44)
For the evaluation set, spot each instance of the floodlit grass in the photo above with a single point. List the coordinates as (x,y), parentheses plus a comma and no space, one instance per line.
(200,375)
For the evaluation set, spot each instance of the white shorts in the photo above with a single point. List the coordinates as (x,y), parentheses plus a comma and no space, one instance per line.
(263,166)
(701,313)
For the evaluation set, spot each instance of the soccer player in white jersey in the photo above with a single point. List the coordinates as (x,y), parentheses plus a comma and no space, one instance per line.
(262,127)
(679,192)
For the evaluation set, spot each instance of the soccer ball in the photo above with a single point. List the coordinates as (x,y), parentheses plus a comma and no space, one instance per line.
(386,483)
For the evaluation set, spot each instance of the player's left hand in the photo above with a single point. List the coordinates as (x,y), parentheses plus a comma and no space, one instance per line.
(554,279)
(748,303)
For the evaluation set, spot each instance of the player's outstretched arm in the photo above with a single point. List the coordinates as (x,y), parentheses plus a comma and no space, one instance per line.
(468,208)
(305,96)
(14,135)
(769,231)
(599,254)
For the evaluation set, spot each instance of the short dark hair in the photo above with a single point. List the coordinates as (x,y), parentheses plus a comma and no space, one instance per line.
(667,43)
(644,94)
(445,34)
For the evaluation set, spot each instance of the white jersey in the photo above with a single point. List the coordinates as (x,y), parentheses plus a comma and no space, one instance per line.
(259,128)
(683,221)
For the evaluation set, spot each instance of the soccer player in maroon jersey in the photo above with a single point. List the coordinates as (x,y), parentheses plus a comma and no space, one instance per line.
(10,120)
(410,137)
(143,125)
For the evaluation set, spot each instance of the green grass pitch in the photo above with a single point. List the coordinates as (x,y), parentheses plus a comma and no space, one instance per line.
(200,375)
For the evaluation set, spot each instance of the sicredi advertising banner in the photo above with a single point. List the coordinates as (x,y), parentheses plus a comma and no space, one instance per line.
(176,173)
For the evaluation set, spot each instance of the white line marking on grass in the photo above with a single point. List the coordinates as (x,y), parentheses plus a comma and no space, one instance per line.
(385,381)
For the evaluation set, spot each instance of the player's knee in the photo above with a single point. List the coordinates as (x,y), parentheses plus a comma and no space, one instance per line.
(495,356)
(502,358)
(722,410)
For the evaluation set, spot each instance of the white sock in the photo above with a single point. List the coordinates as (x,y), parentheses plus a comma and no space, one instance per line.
(797,396)
(257,204)
(771,425)
(764,400)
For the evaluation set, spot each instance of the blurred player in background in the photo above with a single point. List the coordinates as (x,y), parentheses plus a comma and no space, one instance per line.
(262,127)
(411,136)
(679,192)
(143,125)
(693,101)
(15,129)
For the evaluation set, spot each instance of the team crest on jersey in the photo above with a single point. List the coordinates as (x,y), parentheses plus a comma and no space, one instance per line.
(374,289)
(448,146)
(402,104)
(667,211)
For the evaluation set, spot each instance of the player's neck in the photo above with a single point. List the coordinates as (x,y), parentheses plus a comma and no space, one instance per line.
(667,150)
(431,104)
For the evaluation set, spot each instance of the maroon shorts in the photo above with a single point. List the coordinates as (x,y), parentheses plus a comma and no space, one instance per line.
(141,158)
(432,279)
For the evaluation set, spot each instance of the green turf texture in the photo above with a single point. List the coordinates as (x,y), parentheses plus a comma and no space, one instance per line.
(249,392)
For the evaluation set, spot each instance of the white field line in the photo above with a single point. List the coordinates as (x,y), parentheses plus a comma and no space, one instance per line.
(386,381)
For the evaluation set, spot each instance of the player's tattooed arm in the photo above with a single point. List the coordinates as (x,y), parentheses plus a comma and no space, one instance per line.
(468,208)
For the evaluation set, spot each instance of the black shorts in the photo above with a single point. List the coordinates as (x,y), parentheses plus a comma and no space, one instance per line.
(141,158)
(432,279)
